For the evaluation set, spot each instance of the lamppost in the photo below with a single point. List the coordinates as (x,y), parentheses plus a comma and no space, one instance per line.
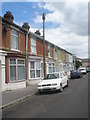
(74,59)
(44,71)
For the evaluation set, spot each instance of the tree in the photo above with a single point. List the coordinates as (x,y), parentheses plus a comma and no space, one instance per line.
(78,64)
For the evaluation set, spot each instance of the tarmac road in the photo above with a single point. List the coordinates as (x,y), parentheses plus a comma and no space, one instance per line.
(71,103)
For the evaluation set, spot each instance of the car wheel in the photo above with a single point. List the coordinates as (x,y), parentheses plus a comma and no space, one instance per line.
(61,87)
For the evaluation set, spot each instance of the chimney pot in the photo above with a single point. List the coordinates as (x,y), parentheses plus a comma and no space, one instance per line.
(9,16)
(37,32)
(26,26)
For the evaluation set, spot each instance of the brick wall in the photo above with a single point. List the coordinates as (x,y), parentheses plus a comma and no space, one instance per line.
(39,48)
(22,43)
(29,45)
(6,38)
(52,52)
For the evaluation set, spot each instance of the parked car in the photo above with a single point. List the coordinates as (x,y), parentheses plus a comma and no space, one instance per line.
(88,69)
(83,70)
(75,74)
(54,81)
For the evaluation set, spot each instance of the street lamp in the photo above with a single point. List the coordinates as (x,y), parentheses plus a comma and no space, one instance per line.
(44,71)
(74,61)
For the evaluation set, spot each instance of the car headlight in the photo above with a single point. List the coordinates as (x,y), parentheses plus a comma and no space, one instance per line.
(54,84)
(39,85)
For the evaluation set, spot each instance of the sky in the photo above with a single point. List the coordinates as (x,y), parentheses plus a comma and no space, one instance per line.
(66,23)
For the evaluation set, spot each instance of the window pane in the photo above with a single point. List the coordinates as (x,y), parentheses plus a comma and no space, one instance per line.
(33,45)
(32,73)
(38,65)
(37,73)
(14,42)
(21,72)
(33,41)
(33,49)
(12,73)
(14,32)
(32,65)
(49,51)
(50,69)
(14,39)
(12,61)
(20,61)
(53,69)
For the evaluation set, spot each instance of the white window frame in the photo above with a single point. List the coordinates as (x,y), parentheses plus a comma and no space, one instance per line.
(34,69)
(56,53)
(61,66)
(63,55)
(52,66)
(33,45)
(49,51)
(16,69)
(17,36)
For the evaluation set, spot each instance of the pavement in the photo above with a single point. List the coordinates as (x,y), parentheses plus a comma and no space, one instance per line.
(14,96)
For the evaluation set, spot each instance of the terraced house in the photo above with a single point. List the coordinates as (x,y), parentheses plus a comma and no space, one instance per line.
(21,55)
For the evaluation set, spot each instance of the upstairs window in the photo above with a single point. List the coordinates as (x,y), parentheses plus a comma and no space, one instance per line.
(49,51)
(33,45)
(14,39)
(63,55)
(56,53)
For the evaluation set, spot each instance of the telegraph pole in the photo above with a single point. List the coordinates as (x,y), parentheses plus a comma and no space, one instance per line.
(44,67)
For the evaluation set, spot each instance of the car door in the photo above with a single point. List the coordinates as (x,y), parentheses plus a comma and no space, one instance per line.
(64,79)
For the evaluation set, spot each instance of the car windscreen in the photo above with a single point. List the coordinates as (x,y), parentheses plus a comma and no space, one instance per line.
(52,76)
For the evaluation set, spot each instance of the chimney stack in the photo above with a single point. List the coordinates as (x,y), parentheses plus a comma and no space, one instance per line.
(37,32)
(26,26)
(9,16)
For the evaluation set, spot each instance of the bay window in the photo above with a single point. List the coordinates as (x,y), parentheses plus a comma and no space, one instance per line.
(51,68)
(61,67)
(32,69)
(12,69)
(38,69)
(35,69)
(17,69)
(21,69)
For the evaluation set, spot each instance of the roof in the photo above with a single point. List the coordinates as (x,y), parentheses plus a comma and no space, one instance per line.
(31,33)
(85,60)
(12,23)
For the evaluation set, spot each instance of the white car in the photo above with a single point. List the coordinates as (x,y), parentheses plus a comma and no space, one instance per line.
(83,70)
(54,81)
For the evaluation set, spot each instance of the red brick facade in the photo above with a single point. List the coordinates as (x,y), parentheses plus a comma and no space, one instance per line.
(22,42)
(6,39)
(6,46)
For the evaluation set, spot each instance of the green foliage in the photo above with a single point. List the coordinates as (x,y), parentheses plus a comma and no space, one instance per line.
(78,64)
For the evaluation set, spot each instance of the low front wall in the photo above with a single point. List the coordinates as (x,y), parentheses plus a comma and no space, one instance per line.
(34,82)
(13,86)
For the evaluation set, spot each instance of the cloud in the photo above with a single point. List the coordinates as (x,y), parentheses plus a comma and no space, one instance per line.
(66,13)
(72,42)
(72,32)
